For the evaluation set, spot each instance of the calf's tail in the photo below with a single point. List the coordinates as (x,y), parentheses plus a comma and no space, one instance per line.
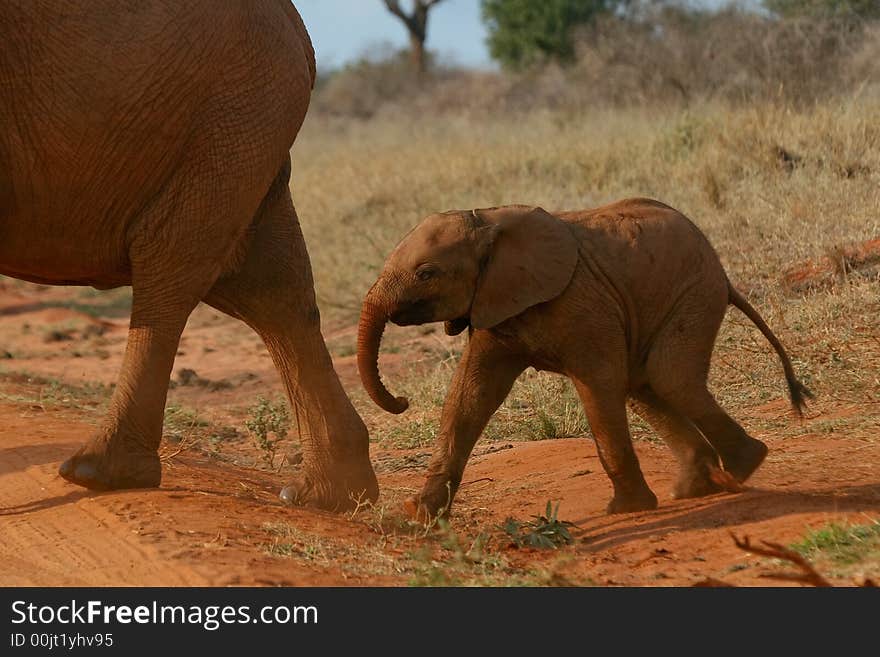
(797,390)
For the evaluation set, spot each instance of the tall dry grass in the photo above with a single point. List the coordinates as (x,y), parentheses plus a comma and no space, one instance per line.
(360,186)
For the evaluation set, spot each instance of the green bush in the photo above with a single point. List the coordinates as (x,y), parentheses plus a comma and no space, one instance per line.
(268,424)
(544,531)
(523,33)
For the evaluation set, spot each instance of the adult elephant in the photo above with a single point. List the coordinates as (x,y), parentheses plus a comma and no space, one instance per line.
(147,144)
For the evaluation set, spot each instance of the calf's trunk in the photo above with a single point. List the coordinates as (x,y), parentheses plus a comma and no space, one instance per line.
(374,316)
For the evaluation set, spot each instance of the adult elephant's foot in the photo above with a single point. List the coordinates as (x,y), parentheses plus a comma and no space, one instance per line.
(742,463)
(641,499)
(110,464)
(342,489)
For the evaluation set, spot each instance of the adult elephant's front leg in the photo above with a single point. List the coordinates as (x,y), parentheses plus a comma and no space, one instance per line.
(123,453)
(482,380)
(273,293)
(173,265)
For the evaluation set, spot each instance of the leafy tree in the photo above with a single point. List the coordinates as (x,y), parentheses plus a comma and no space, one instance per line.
(794,8)
(525,32)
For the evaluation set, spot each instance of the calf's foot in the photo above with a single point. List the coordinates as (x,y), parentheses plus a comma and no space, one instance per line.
(641,499)
(743,462)
(698,477)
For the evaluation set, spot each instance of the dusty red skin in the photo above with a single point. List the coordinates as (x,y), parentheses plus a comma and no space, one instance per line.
(127,191)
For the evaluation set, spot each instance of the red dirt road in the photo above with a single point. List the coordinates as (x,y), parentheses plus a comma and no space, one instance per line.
(205,526)
(214,521)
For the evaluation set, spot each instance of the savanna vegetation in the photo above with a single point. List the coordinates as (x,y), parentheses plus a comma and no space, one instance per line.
(764,131)
(762,127)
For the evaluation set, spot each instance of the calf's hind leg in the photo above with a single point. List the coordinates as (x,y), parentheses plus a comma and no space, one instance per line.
(677,371)
(699,468)
(740,453)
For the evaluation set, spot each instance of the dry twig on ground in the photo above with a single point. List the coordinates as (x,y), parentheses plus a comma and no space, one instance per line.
(809,576)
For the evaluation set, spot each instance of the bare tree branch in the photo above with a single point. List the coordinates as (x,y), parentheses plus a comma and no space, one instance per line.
(416,23)
(775,551)
(809,575)
(394,8)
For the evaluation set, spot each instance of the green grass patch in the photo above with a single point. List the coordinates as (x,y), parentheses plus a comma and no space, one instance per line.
(842,544)
(114,303)
(181,422)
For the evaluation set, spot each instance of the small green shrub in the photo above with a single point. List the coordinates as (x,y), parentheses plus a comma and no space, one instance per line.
(268,424)
(544,532)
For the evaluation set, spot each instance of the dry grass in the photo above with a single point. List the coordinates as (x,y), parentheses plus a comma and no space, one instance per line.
(770,186)
(393,549)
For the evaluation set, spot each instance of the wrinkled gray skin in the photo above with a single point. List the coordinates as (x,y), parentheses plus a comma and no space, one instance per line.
(146,144)
(626,300)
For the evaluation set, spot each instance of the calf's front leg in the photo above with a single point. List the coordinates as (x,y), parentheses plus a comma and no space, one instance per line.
(482,380)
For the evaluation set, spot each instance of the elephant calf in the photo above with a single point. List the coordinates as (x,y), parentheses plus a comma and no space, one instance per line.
(626,300)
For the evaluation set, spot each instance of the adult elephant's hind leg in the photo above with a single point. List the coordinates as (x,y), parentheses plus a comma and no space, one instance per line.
(272,291)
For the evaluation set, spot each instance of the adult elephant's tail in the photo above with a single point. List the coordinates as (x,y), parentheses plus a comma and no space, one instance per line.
(797,390)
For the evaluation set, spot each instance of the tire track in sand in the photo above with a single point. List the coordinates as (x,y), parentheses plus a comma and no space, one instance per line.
(53,533)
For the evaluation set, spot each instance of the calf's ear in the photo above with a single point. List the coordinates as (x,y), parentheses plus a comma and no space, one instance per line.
(530,258)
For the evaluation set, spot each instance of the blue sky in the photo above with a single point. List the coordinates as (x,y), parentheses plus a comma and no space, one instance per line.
(341,30)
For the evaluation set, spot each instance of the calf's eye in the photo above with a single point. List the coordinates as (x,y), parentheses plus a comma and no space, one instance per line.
(425,273)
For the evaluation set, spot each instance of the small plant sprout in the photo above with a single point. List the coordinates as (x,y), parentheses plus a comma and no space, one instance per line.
(544,532)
